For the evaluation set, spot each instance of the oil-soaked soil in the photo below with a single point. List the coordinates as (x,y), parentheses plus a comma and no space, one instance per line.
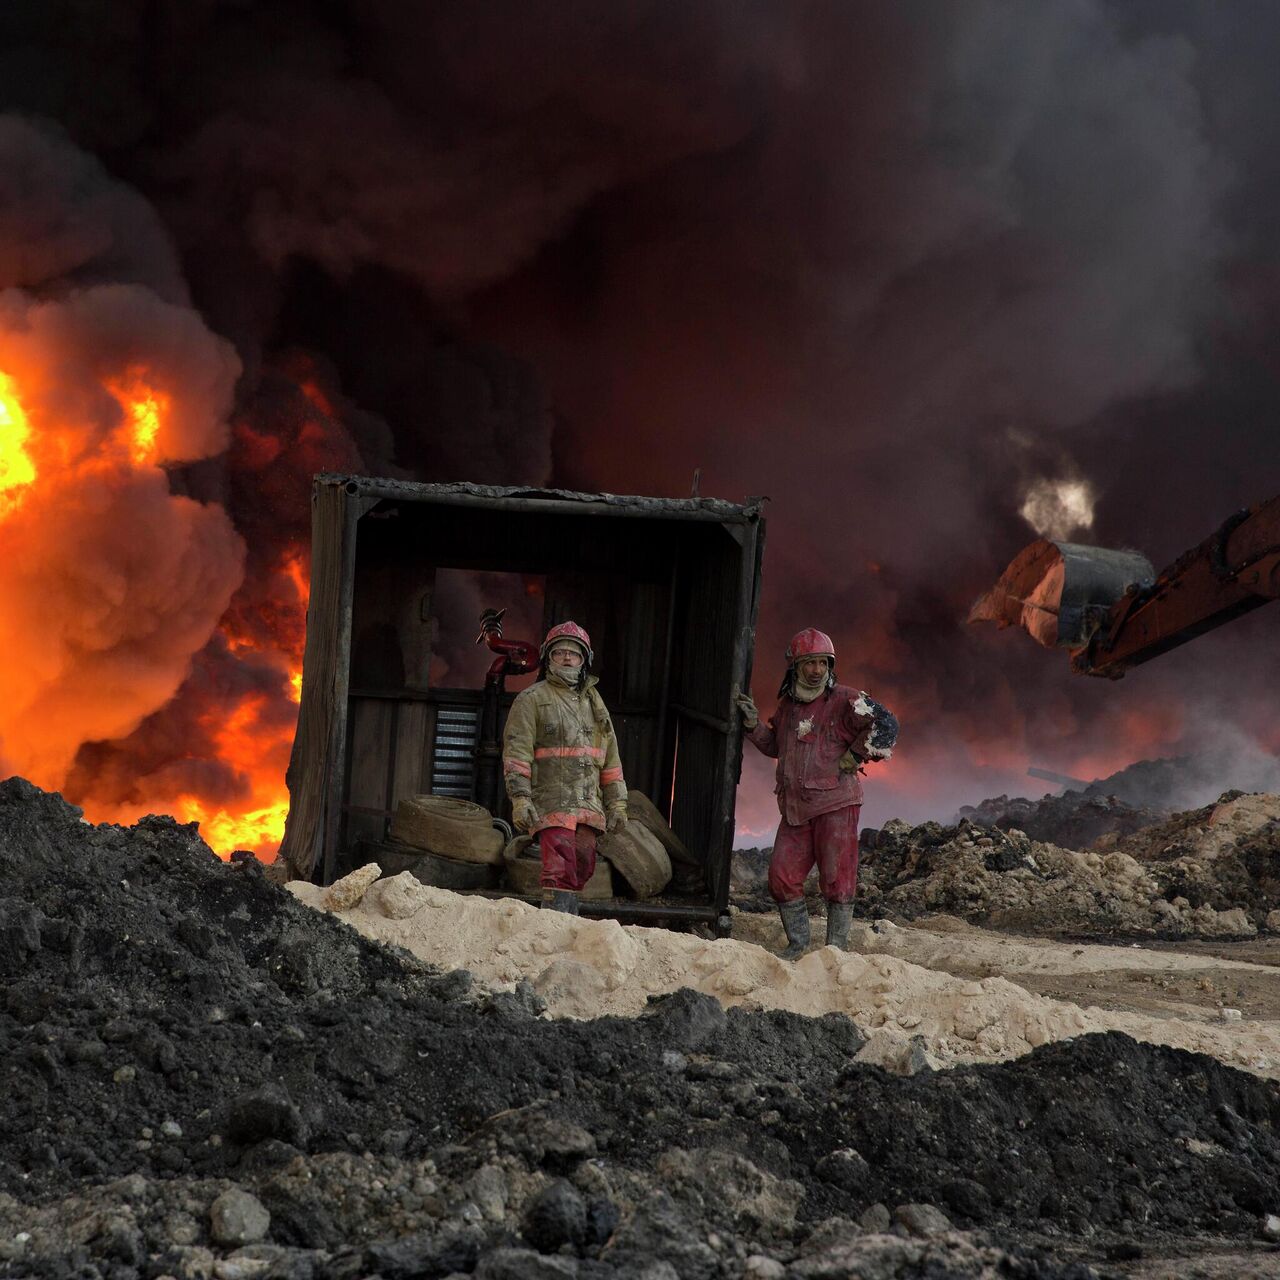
(1206,873)
(205,1079)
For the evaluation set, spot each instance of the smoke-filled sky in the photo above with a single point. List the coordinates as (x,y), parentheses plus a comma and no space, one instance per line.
(902,268)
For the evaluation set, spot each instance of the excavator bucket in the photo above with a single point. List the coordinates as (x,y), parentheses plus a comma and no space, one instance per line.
(1058,592)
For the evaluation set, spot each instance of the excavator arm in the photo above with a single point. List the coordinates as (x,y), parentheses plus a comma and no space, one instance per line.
(1111,612)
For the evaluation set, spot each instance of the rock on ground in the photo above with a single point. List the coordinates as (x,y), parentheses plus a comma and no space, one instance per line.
(397,1121)
(917,1017)
(1207,873)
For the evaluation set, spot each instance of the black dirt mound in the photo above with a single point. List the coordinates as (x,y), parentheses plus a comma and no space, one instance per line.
(1184,877)
(1135,798)
(1183,782)
(1073,820)
(186,1046)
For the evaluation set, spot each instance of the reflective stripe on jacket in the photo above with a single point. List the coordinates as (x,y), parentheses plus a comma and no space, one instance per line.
(560,750)
(808,739)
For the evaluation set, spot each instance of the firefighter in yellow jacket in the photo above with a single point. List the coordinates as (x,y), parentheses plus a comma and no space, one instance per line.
(561,766)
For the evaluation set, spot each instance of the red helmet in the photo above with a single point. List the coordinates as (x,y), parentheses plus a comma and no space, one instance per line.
(810,643)
(567,631)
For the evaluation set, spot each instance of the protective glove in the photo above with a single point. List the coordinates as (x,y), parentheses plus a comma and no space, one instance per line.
(750,716)
(850,762)
(523,814)
(616,820)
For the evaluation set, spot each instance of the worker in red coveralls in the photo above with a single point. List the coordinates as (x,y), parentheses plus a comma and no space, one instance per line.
(561,766)
(821,734)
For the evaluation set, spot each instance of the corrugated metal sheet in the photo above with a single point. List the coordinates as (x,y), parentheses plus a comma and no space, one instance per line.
(453,759)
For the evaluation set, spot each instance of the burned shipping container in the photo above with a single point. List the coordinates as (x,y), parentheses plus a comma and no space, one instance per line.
(668,589)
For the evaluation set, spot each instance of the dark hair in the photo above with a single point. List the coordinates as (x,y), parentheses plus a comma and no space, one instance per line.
(788,686)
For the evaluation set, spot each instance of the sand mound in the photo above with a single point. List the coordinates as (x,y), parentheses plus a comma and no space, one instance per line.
(915,1015)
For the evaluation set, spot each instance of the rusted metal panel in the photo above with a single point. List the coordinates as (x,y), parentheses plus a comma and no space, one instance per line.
(369,771)
(316,770)
(662,770)
(692,814)
(558,501)
(644,629)
(353,508)
(413,747)
(627,621)
(308,771)
(750,569)
(637,747)
(702,682)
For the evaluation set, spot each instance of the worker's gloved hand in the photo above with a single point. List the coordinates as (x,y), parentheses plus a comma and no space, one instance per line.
(616,819)
(850,762)
(750,716)
(523,814)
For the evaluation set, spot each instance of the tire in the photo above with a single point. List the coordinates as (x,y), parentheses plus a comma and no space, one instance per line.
(639,858)
(432,868)
(450,827)
(524,874)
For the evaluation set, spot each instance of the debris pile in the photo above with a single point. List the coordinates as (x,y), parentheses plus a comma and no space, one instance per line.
(749,879)
(205,1077)
(1138,796)
(1209,873)
(1212,872)
(1180,782)
(1073,820)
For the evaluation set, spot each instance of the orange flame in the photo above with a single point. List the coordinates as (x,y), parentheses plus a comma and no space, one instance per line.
(251,735)
(256,736)
(258,747)
(259,830)
(296,571)
(17,470)
(144,407)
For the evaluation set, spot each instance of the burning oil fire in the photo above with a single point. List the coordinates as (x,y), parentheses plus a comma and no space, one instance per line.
(255,736)
(16,469)
(144,407)
(112,585)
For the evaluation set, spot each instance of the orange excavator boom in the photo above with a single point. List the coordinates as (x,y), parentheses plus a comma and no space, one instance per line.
(1112,612)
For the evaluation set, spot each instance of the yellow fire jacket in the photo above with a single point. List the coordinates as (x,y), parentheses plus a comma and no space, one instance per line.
(560,750)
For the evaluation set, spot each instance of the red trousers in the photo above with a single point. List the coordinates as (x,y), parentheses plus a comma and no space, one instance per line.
(830,840)
(568,857)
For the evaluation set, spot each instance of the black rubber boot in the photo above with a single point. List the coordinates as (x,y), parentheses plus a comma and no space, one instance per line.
(560,900)
(839,917)
(795,920)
